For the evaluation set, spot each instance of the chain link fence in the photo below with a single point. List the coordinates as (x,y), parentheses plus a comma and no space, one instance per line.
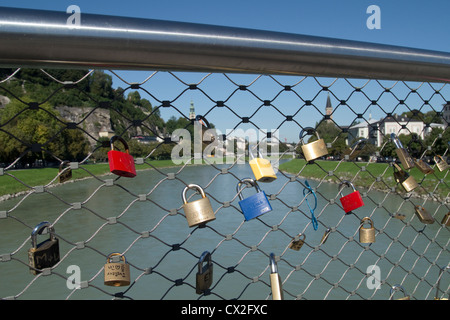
(56,127)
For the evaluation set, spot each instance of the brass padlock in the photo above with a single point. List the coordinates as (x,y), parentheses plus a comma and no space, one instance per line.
(262,168)
(198,211)
(402,154)
(423,215)
(204,277)
(117,274)
(45,254)
(446,219)
(366,235)
(423,166)
(65,172)
(356,148)
(297,243)
(315,149)
(397,288)
(440,163)
(408,182)
(275,280)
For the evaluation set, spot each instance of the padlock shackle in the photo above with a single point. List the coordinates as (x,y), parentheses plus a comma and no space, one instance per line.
(396,141)
(115,254)
(114,138)
(65,162)
(273,263)
(397,287)
(192,186)
(206,255)
(308,131)
(440,157)
(246,181)
(198,118)
(348,183)
(357,144)
(363,220)
(38,231)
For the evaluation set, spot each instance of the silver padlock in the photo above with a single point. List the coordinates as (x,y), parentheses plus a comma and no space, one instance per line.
(198,211)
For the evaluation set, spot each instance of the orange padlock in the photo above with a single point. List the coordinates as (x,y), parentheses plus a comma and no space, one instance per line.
(121,163)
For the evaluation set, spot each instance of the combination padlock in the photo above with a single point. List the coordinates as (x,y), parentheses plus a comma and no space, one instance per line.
(204,277)
(408,182)
(403,155)
(423,215)
(351,201)
(121,163)
(440,162)
(117,274)
(45,254)
(198,211)
(297,243)
(366,235)
(275,280)
(254,205)
(446,219)
(262,168)
(315,149)
(65,173)
(397,288)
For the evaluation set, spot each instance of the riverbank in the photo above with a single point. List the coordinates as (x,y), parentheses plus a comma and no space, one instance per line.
(377,176)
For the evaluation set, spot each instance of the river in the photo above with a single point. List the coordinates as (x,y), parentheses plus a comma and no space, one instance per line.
(239,249)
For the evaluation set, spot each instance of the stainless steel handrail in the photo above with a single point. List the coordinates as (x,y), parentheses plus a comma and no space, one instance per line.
(36,38)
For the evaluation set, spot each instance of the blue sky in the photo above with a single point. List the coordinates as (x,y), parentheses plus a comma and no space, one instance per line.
(419,24)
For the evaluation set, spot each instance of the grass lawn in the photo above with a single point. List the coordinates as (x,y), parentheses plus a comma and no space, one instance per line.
(366,175)
(42,176)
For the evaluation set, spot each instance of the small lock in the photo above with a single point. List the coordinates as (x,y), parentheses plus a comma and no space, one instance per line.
(423,215)
(65,173)
(408,182)
(356,148)
(297,243)
(121,163)
(351,201)
(397,288)
(117,274)
(198,211)
(325,236)
(204,277)
(403,155)
(275,280)
(446,219)
(440,163)
(262,168)
(255,205)
(315,149)
(366,235)
(45,254)
(423,166)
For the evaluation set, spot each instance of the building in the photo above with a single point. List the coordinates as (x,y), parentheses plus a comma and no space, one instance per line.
(446,114)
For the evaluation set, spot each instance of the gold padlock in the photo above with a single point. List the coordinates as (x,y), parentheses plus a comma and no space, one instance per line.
(446,219)
(402,154)
(423,215)
(117,274)
(366,235)
(198,211)
(315,149)
(275,280)
(262,168)
(440,163)
(396,288)
(423,166)
(297,243)
(65,172)
(408,182)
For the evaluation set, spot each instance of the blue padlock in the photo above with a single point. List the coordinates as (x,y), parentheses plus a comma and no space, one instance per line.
(254,205)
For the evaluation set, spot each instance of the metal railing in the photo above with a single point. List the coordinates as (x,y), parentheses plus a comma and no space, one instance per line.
(162,251)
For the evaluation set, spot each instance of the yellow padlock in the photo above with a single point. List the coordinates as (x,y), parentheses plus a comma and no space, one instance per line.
(262,168)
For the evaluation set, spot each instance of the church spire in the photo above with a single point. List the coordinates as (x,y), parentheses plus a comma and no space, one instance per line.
(329,108)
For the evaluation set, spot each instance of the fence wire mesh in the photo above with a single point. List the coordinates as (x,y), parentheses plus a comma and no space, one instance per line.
(143,218)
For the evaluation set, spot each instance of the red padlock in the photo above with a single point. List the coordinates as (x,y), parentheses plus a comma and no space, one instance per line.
(121,163)
(351,201)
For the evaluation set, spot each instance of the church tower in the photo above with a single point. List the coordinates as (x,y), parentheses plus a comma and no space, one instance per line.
(329,109)
(192,111)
